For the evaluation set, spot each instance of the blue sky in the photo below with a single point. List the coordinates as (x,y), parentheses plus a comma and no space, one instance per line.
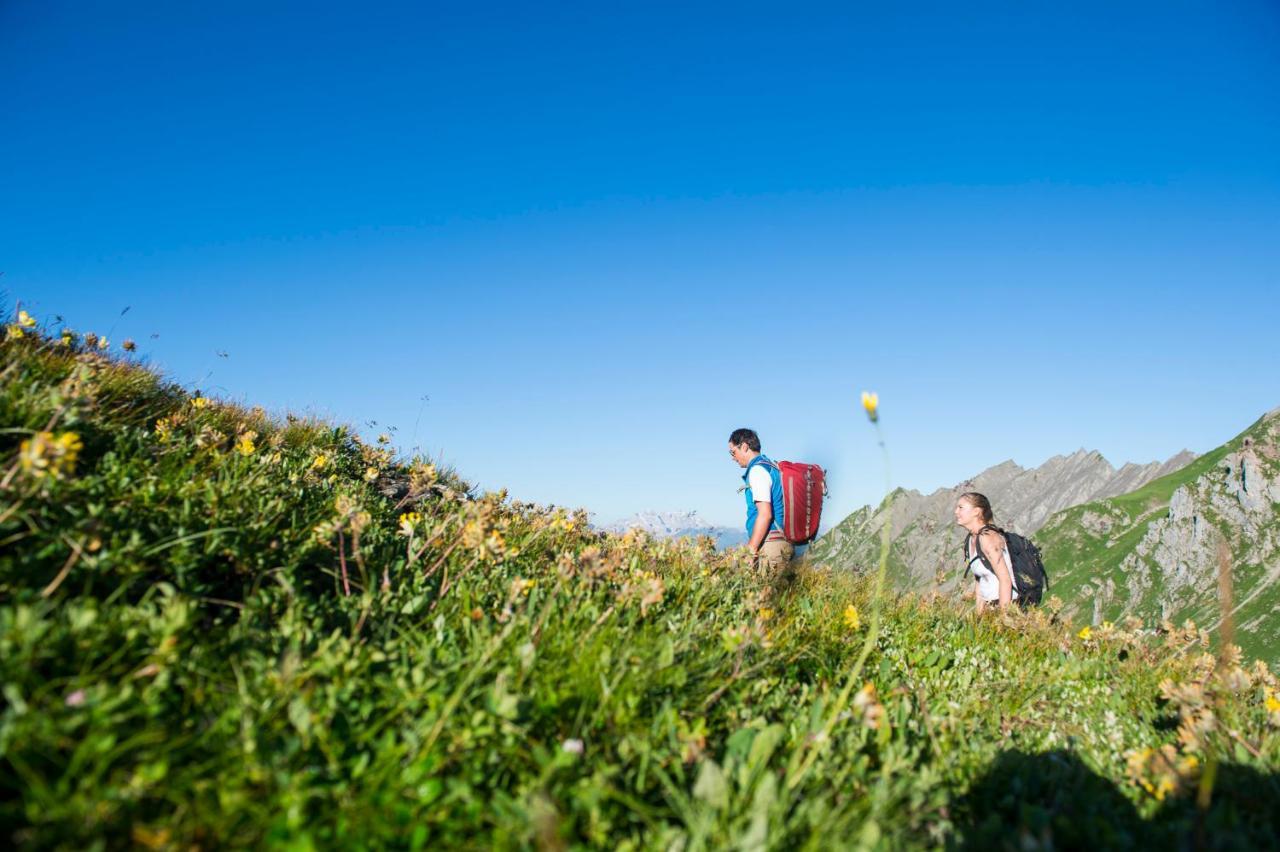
(569,249)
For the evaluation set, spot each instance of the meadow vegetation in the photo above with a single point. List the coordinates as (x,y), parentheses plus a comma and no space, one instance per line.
(222,628)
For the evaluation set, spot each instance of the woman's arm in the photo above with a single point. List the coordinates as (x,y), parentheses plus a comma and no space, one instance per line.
(993,546)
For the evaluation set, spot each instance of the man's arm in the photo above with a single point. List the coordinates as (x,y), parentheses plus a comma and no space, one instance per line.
(764,517)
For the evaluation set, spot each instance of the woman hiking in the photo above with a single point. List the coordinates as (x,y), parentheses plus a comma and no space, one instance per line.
(986,552)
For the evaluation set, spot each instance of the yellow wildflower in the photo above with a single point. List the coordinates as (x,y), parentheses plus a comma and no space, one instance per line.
(851,618)
(14,332)
(320,462)
(370,474)
(1085,632)
(765,613)
(408,521)
(26,320)
(199,402)
(1273,703)
(421,476)
(245,445)
(67,336)
(43,454)
(871,404)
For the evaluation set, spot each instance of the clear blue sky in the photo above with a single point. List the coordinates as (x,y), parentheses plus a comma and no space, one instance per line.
(599,238)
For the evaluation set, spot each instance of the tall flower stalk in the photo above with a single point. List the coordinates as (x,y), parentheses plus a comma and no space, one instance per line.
(870,404)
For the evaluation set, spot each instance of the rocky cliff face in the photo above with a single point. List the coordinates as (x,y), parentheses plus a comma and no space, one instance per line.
(1161,552)
(925,539)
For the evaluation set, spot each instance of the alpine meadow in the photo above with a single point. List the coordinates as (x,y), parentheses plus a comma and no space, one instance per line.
(223,629)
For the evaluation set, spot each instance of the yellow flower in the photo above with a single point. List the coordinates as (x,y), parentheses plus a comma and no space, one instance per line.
(245,445)
(871,403)
(851,618)
(26,320)
(320,462)
(408,521)
(370,474)
(199,402)
(67,336)
(14,332)
(1273,703)
(765,614)
(43,454)
(1085,632)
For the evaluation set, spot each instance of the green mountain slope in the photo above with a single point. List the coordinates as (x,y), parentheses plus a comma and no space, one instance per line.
(220,629)
(1158,552)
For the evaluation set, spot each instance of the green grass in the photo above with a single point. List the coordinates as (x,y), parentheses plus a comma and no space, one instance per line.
(203,646)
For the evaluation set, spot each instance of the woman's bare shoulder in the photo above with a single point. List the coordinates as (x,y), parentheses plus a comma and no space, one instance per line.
(992,538)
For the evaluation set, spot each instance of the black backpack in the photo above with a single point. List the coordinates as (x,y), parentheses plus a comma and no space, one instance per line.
(1028,568)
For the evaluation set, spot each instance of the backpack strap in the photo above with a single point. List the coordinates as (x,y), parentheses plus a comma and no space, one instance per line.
(977,544)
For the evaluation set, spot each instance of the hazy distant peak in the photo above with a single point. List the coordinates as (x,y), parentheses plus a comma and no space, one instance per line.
(676,524)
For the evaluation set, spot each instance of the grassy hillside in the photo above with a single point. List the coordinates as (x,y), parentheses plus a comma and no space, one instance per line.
(1104,554)
(222,629)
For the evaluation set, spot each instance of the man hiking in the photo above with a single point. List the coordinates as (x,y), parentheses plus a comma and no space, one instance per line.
(764,507)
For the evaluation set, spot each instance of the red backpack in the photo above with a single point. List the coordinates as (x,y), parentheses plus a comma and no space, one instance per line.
(803,487)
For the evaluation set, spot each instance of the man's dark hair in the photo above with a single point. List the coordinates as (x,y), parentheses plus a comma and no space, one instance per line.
(746,436)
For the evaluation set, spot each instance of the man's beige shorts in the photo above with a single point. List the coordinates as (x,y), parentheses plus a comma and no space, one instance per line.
(775,555)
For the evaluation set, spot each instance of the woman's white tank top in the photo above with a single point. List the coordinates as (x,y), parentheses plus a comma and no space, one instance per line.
(988,583)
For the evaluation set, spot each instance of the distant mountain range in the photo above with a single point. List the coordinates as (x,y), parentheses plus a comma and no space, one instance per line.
(677,525)
(1145,540)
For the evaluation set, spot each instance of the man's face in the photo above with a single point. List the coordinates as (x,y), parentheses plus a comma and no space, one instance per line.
(741,454)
